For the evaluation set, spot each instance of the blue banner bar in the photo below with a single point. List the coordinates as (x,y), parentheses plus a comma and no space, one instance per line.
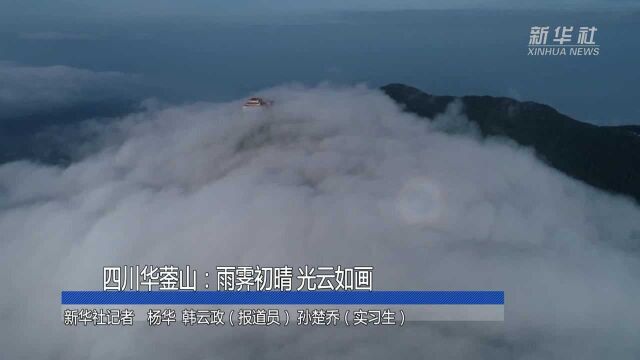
(283,297)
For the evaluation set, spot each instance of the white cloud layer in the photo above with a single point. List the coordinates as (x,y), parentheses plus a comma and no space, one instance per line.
(27,89)
(328,176)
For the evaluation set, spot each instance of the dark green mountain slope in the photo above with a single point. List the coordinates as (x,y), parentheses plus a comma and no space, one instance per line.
(607,157)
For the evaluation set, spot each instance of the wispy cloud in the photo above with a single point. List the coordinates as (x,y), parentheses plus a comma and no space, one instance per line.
(25,89)
(55,36)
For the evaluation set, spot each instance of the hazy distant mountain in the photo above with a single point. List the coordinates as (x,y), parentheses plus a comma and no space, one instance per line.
(607,157)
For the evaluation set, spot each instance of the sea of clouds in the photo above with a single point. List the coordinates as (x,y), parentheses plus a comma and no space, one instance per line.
(329,175)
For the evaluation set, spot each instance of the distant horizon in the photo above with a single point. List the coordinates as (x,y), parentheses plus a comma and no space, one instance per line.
(444,52)
(253,9)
